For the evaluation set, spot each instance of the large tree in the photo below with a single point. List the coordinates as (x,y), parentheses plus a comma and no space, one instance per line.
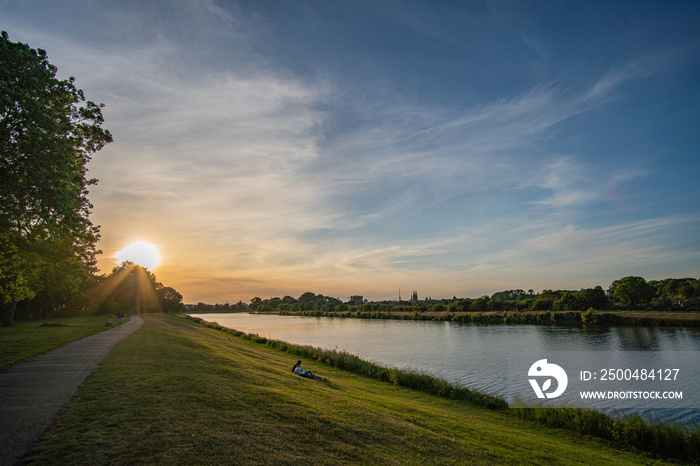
(632,291)
(48,133)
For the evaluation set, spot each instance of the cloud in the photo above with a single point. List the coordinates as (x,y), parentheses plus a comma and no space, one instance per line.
(242,130)
(248,168)
(214,155)
(626,245)
(568,182)
(394,151)
(384,259)
(654,63)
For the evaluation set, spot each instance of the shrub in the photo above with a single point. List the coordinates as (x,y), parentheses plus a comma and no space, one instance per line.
(667,440)
(590,316)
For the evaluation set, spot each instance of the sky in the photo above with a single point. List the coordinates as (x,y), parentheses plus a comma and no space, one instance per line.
(366,147)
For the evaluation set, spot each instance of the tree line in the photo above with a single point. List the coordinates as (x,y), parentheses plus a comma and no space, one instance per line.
(306,302)
(225,307)
(628,293)
(48,245)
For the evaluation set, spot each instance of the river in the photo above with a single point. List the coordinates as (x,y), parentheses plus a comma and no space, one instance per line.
(651,361)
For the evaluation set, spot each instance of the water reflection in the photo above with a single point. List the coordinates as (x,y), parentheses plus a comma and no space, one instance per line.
(637,339)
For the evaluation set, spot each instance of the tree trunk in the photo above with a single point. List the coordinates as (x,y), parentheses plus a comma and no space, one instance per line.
(8,314)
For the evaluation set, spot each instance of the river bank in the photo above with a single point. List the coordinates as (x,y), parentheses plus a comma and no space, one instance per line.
(662,438)
(591,317)
(179,392)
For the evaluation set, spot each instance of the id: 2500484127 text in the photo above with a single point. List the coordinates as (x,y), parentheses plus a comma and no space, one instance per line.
(661,375)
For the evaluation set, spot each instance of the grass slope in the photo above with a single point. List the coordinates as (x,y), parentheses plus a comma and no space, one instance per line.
(30,338)
(175,392)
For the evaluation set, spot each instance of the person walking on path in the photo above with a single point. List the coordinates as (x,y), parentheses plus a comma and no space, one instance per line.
(32,392)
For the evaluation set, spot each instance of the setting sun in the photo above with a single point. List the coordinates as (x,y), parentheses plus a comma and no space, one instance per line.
(141,253)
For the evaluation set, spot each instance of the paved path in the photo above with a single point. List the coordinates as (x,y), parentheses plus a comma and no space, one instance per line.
(32,392)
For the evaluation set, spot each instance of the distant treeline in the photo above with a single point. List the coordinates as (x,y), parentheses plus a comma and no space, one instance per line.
(226,307)
(628,293)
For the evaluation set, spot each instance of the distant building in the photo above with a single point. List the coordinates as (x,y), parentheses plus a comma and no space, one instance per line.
(357,299)
(414,296)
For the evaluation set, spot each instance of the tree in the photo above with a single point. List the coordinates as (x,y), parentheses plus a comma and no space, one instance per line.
(15,276)
(62,283)
(132,288)
(48,133)
(255,302)
(677,292)
(593,298)
(479,304)
(632,291)
(508,295)
(545,300)
(585,298)
(170,300)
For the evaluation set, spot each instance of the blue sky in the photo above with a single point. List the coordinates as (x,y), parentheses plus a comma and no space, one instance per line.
(455,148)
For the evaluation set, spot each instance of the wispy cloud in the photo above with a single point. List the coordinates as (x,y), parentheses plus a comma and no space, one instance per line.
(215,155)
(614,248)
(567,180)
(253,152)
(257,151)
(447,152)
(661,61)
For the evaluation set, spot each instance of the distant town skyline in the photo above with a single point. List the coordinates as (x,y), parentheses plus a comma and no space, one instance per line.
(458,148)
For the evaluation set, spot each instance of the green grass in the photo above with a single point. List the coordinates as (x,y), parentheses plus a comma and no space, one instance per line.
(175,392)
(33,337)
(663,439)
(675,316)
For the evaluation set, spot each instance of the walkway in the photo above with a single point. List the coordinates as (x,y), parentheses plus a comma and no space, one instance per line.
(32,392)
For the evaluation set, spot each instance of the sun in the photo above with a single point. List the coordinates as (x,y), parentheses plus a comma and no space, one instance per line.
(141,253)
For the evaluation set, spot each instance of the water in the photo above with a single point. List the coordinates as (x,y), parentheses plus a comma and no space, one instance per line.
(487,357)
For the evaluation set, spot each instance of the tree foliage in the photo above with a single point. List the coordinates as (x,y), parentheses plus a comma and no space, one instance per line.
(306,302)
(132,288)
(625,293)
(632,291)
(48,133)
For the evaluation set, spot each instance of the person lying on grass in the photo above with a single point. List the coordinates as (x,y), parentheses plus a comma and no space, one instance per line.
(299,371)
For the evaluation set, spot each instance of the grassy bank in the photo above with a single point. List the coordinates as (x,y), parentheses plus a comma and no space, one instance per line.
(33,337)
(617,318)
(667,440)
(176,392)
